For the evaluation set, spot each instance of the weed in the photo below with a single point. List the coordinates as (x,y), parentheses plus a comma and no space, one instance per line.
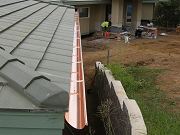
(104,112)
(139,83)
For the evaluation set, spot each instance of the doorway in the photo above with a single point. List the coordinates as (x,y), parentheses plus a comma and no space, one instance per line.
(129,12)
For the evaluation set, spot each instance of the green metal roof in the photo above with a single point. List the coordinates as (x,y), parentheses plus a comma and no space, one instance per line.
(36,43)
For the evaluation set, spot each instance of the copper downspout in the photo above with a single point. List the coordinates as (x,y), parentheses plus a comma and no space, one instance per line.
(77,115)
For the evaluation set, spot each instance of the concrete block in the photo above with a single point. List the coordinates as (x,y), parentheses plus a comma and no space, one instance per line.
(97,64)
(127,118)
(137,124)
(120,92)
(109,76)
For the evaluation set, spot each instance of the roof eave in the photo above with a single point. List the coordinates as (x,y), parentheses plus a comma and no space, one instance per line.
(82,2)
(149,1)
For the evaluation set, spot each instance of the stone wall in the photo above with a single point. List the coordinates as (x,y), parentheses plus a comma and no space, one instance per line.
(125,115)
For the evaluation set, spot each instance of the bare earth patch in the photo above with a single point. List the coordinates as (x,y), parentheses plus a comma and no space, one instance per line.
(162,53)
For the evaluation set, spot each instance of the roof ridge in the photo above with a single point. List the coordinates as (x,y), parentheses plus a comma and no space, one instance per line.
(35,86)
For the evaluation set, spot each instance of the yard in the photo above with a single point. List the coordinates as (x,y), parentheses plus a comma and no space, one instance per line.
(152,63)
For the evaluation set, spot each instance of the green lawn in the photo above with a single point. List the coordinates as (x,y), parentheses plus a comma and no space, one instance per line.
(139,83)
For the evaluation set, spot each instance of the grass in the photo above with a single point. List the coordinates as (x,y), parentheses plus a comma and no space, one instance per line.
(139,83)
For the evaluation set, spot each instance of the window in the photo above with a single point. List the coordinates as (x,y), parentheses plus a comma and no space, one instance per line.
(83,12)
(129,12)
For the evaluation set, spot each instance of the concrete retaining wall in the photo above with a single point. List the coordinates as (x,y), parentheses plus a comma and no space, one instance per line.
(126,117)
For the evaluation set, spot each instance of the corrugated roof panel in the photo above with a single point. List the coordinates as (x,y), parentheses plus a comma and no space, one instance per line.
(62,40)
(58,12)
(15,7)
(22,76)
(11,37)
(68,17)
(46,71)
(56,66)
(65,30)
(6,2)
(62,85)
(3,82)
(59,52)
(64,58)
(55,78)
(17,16)
(58,58)
(31,63)
(32,47)
(62,45)
(7,48)
(15,33)
(41,14)
(49,50)
(70,11)
(7,42)
(41,35)
(45,31)
(51,28)
(28,53)
(48,94)
(24,29)
(33,85)
(35,42)
(63,36)
(28,26)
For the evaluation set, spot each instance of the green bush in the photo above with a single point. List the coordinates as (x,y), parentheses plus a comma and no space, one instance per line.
(167,14)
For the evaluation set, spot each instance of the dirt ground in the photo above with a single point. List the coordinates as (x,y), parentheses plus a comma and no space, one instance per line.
(163,53)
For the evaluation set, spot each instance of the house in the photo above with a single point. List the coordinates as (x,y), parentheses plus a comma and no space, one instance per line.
(148,9)
(92,13)
(120,12)
(41,71)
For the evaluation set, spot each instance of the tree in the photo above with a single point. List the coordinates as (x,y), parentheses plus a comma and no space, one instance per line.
(167,13)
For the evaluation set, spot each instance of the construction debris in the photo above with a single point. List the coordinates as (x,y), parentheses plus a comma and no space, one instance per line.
(163,34)
(178,29)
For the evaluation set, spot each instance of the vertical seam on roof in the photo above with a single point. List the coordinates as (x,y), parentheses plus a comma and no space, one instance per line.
(2,48)
(32,31)
(23,19)
(51,39)
(19,9)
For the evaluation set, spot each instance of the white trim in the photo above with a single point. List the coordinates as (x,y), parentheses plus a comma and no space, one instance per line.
(88,13)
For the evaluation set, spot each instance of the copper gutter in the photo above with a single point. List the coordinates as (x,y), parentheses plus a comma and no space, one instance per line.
(77,115)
